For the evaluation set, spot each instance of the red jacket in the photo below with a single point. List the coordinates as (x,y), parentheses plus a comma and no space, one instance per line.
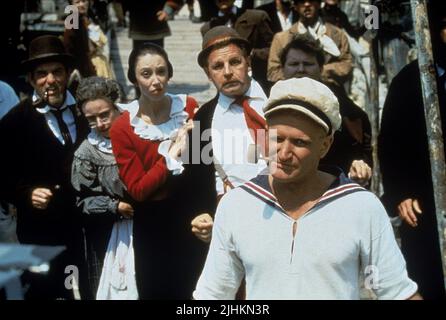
(142,169)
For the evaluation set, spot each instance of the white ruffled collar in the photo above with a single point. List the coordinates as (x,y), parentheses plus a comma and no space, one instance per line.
(100,142)
(161,131)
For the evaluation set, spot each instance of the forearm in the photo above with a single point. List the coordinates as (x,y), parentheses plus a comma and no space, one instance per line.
(141,183)
(94,205)
(338,69)
(146,183)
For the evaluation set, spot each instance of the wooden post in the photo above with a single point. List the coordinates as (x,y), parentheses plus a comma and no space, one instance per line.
(373,112)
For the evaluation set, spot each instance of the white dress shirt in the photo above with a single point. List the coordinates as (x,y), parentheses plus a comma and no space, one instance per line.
(231,137)
(287,22)
(67,116)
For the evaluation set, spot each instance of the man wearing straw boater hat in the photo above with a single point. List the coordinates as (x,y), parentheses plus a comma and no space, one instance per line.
(302,232)
(38,138)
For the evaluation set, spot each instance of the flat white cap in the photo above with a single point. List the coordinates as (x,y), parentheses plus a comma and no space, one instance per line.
(308,96)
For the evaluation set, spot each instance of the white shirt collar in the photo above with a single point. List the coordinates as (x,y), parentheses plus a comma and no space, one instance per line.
(287,22)
(254,92)
(100,142)
(69,100)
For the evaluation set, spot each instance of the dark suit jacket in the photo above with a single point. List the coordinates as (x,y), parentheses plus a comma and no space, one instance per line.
(406,173)
(144,23)
(200,175)
(33,157)
(403,147)
(254,26)
(270,9)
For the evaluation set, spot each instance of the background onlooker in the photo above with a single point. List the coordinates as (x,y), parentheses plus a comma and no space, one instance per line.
(8,99)
(148,20)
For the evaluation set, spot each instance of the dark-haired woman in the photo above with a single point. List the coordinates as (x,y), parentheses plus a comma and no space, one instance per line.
(167,256)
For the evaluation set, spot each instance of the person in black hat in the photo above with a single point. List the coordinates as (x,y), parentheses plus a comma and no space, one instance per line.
(38,138)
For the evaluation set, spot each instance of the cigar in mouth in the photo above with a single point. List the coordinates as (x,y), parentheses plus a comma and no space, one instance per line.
(41,102)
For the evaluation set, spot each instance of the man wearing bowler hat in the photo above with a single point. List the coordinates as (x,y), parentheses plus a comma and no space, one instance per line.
(254,26)
(302,232)
(38,138)
(233,119)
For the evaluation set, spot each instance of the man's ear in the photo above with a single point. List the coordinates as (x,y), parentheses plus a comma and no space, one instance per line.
(326,144)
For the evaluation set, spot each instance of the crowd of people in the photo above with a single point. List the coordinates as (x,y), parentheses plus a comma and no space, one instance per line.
(260,193)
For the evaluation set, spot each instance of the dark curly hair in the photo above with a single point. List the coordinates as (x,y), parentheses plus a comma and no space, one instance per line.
(93,88)
(307,44)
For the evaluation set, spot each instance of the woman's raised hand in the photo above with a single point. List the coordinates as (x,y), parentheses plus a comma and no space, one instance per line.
(179,144)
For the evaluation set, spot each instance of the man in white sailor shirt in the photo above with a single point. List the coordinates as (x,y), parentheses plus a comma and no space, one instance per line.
(302,232)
